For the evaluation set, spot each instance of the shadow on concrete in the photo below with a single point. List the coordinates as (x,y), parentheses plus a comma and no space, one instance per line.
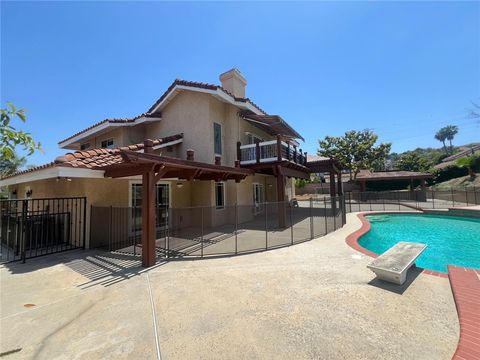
(99,267)
(397,289)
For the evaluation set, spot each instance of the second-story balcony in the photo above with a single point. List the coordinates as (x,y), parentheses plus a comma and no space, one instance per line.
(270,152)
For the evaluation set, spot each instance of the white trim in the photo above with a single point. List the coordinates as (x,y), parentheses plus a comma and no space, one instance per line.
(96,129)
(218,93)
(51,173)
(163,145)
(248,146)
(271,142)
(272,159)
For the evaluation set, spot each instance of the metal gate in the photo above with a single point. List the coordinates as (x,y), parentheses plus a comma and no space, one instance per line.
(35,227)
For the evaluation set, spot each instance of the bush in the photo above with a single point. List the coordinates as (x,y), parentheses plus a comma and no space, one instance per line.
(448,173)
(300,183)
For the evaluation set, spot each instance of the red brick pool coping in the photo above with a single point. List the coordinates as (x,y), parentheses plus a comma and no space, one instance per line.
(465,284)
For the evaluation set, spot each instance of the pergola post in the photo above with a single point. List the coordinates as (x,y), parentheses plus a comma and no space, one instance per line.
(339,183)
(281,200)
(332,183)
(149,257)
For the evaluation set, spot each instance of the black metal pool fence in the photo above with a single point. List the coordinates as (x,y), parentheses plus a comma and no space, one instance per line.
(212,231)
(417,199)
(35,227)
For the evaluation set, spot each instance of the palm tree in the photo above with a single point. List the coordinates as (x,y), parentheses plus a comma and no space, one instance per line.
(12,165)
(451,131)
(442,136)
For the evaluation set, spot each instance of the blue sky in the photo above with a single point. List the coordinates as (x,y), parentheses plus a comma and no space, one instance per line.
(401,69)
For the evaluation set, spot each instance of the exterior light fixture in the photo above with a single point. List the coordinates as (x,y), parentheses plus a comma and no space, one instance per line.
(179,184)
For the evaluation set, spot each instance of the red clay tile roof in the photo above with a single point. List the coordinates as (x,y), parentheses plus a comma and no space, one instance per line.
(95,159)
(201,86)
(179,82)
(391,175)
(112,121)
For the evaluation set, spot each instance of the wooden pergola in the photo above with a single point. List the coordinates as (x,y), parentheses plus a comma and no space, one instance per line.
(331,166)
(154,167)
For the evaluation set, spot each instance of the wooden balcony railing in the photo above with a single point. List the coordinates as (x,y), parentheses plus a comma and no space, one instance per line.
(270,151)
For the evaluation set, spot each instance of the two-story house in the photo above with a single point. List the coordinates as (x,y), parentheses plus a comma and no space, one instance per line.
(206,145)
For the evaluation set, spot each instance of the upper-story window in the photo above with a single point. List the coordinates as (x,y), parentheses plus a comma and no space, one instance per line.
(107,144)
(84,146)
(217,138)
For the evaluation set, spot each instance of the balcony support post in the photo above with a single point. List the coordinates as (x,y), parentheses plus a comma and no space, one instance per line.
(279,148)
(257,151)
(239,151)
(281,199)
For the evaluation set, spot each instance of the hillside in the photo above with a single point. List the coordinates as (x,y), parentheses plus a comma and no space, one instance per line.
(460,182)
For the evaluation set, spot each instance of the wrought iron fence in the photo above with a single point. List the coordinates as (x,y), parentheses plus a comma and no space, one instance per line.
(35,227)
(208,231)
(408,200)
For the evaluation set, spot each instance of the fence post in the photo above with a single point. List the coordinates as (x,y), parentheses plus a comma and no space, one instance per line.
(311,218)
(453,199)
(475,194)
(291,223)
(84,221)
(110,230)
(266,226)
(466,194)
(201,234)
(325,214)
(236,228)
(433,199)
(350,201)
(24,230)
(335,213)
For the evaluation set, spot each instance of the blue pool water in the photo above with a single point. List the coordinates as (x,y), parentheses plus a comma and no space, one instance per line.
(451,240)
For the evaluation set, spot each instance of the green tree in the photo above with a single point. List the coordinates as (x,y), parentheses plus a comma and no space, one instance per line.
(10,138)
(411,161)
(447,133)
(442,137)
(451,131)
(356,150)
(12,165)
(468,162)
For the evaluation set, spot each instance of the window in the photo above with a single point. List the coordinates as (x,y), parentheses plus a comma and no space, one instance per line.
(84,146)
(107,144)
(162,194)
(220,195)
(217,138)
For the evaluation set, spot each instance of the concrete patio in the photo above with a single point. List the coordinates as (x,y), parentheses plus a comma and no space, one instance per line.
(315,300)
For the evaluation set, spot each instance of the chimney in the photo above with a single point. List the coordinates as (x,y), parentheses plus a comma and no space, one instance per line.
(234,82)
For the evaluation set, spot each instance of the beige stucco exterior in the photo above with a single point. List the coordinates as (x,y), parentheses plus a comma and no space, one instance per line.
(192,113)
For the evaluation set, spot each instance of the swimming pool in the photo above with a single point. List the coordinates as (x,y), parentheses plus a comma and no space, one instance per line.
(451,240)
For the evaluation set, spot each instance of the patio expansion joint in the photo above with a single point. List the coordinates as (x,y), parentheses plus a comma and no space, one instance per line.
(154,318)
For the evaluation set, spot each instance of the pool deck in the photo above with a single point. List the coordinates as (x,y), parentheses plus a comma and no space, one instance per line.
(465,285)
(312,300)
